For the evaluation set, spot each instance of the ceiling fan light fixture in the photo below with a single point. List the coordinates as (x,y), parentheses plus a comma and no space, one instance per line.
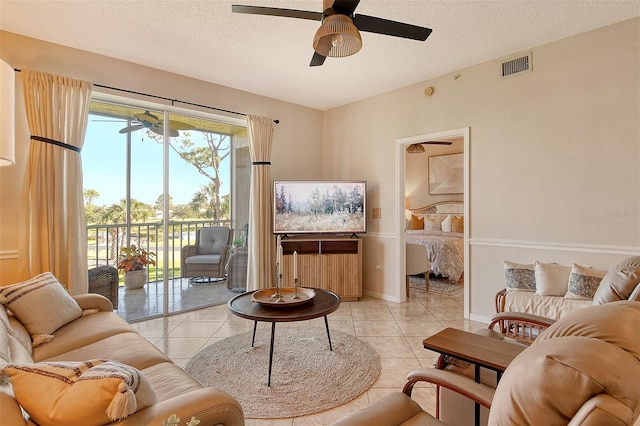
(337,37)
(415,148)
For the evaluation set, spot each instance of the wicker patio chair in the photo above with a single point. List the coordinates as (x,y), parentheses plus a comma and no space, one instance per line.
(208,256)
(104,280)
(237,269)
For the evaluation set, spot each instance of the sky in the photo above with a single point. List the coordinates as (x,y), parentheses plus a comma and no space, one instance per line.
(104,166)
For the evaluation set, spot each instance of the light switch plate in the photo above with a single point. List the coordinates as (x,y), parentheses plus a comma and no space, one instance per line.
(376,213)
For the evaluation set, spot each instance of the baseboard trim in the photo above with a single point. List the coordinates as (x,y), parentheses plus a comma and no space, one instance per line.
(543,245)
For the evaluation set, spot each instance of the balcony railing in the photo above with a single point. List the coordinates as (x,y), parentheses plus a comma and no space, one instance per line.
(105,242)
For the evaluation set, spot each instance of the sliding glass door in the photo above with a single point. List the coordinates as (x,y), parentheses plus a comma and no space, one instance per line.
(153,179)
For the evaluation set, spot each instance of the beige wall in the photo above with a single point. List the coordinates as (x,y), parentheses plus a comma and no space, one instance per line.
(554,158)
(554,153)
(296,144)
(417,175)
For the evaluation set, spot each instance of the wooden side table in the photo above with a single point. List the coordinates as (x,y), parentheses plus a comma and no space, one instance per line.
(482,351)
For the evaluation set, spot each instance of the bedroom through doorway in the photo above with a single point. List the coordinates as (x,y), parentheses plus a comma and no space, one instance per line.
(433,208)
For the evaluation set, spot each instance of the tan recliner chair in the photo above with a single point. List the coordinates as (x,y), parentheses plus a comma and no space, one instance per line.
(583,370)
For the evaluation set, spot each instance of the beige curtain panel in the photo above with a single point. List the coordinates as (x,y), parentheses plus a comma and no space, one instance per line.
(260,241)
(53,235)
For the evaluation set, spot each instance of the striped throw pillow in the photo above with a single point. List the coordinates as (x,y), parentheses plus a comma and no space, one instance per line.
(94,392)
(41,304)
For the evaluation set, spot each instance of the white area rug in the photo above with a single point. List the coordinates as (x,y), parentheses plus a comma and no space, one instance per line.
(306,378)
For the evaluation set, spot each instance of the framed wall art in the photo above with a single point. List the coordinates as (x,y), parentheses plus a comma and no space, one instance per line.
(446,174)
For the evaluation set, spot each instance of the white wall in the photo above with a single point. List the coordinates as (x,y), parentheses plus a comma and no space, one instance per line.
(554,158)
(296,144)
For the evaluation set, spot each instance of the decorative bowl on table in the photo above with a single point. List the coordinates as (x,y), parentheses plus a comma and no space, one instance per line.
(289,296)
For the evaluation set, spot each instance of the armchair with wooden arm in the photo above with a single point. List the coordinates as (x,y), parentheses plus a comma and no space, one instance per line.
(581,371)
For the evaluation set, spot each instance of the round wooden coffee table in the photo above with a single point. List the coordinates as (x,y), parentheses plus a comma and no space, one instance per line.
(324,303)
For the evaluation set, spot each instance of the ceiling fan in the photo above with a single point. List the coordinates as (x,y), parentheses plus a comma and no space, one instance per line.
(339,33)
(417,148)
(146,120)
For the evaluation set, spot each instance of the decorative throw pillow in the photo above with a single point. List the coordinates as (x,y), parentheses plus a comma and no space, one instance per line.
(551,279)
(416,223)
(519,277)
(583,282)
(41,304)
(432,222)
(621,282)
(447,223)
(95,392)
(457,224)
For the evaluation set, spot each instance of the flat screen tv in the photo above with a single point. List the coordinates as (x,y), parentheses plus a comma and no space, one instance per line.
(319,207)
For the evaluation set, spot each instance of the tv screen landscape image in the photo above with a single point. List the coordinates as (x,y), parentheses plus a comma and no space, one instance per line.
(318,207)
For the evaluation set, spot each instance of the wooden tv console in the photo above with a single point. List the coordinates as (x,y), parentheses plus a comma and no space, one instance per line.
(330,263)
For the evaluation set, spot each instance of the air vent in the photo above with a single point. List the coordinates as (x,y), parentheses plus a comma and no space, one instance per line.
(516,65)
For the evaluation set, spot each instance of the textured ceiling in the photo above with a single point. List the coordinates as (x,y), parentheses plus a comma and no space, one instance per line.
(270,55)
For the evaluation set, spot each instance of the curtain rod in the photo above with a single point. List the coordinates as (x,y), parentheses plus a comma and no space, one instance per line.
(166,99)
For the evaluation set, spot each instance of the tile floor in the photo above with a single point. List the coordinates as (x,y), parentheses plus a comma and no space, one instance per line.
(395,330)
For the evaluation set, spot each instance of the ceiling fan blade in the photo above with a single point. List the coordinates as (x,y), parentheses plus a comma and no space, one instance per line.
(317,60)
(392,28)
(435,143)
(132,128)
(159,130)
(274,11)
(345,7)
(146,117)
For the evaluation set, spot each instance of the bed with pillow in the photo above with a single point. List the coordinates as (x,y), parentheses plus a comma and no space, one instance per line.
(440,228)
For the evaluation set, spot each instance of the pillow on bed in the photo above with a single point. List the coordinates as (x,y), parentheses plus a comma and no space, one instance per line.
(432,222)
(416,223)
(446,223)
(519,277)
(457,224)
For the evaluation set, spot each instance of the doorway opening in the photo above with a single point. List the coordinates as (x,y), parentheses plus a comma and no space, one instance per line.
(419,194)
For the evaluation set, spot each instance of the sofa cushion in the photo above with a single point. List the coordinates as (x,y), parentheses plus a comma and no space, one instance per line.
(169,381)
(553,307)
(213,239)
(620,283)
(203,258)
(519,277)
(116,390)
(55,307)
(614,322)
(583,282)
(128,348)
(5,356)
(82,332)
(551,279)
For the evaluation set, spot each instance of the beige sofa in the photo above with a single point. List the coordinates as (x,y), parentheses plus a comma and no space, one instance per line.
(102,334)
